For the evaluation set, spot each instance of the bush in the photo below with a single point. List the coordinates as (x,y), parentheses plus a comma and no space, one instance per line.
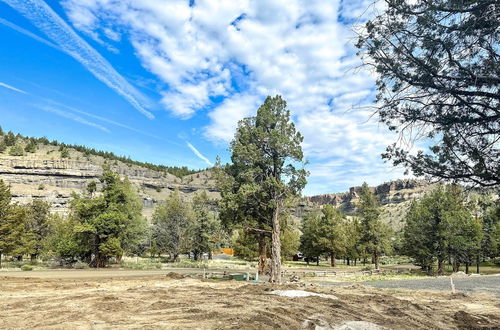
(80,265)
(26,268)
(495,261)
(16,150)
(142,265)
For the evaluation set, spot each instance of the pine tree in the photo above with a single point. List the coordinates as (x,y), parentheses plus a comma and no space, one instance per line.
(375,235)
(11,223)
(172,222)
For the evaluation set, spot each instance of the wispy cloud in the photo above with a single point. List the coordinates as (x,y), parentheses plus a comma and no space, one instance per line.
(28,33)
(224,57)
(12,88)
(73,117)
(45,19)
(110,121)
(199,154)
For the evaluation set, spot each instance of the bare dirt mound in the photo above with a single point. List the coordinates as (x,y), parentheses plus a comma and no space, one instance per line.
(162,302)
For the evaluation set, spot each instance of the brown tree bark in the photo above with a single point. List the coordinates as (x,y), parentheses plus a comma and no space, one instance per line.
(375,259)
(332,259)
(276,248)
(440,266)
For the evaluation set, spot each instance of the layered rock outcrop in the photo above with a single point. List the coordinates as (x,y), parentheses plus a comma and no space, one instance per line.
(41,176)
(393,192)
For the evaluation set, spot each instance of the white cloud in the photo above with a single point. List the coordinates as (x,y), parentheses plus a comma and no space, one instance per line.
(238,51)
(73,117)
(12,88)
(226,116)
(44,18)
(27,33)
(199,154)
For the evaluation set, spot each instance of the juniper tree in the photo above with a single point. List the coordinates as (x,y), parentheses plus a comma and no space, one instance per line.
(438,77)
(172,223)
(265,153)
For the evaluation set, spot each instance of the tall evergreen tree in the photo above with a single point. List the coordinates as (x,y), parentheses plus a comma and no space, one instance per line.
(172,225)
(264,154)
(111,223)
(11,223)
(207,233)
(375,235)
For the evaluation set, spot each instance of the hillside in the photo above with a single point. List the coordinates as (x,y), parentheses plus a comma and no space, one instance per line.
(51,174)
(394,196)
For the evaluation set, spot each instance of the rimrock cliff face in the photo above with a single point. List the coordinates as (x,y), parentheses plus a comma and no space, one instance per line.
(395,198)
(45,176)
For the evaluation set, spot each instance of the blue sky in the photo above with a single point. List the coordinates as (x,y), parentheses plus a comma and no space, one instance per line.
(167,81)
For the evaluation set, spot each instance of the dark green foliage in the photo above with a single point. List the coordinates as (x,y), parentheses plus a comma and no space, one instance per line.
(374,235)
(31,146)
(325,233)
(16,150)
(246,245)
(109,224)
(206,232)
(438,75)
(440,226)
(10,139)
(64,152)
(11,223)
(263,175)
(92,187)
(3,146)
(37,225)
(309,242)
(172,223)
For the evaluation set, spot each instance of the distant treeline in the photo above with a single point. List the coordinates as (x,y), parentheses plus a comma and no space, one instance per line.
(12,140)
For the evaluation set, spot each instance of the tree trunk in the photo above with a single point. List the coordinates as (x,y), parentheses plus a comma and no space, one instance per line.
(467,267)
(355,261)
(317,261)
(1,259)
(348,262)
(262,253)
(375,259)
(478,261)
(332,259)
(210,255)
(440,266)
(276,248)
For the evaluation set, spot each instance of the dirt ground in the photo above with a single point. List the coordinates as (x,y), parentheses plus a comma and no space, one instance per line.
(182,303)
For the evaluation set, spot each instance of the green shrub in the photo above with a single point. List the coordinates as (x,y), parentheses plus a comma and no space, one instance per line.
(495,261)
(26,268)
(16,150)
(142,265)
(80,265)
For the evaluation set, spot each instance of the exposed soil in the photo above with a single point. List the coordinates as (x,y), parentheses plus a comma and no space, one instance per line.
(167,302)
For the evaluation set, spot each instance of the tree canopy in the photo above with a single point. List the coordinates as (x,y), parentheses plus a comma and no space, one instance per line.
(438,77)
(265,152)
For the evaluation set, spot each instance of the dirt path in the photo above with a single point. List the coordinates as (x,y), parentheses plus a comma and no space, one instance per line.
(163,302)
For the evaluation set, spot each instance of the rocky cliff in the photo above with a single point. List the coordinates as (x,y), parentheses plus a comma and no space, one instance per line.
(394,196)
(45,175)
